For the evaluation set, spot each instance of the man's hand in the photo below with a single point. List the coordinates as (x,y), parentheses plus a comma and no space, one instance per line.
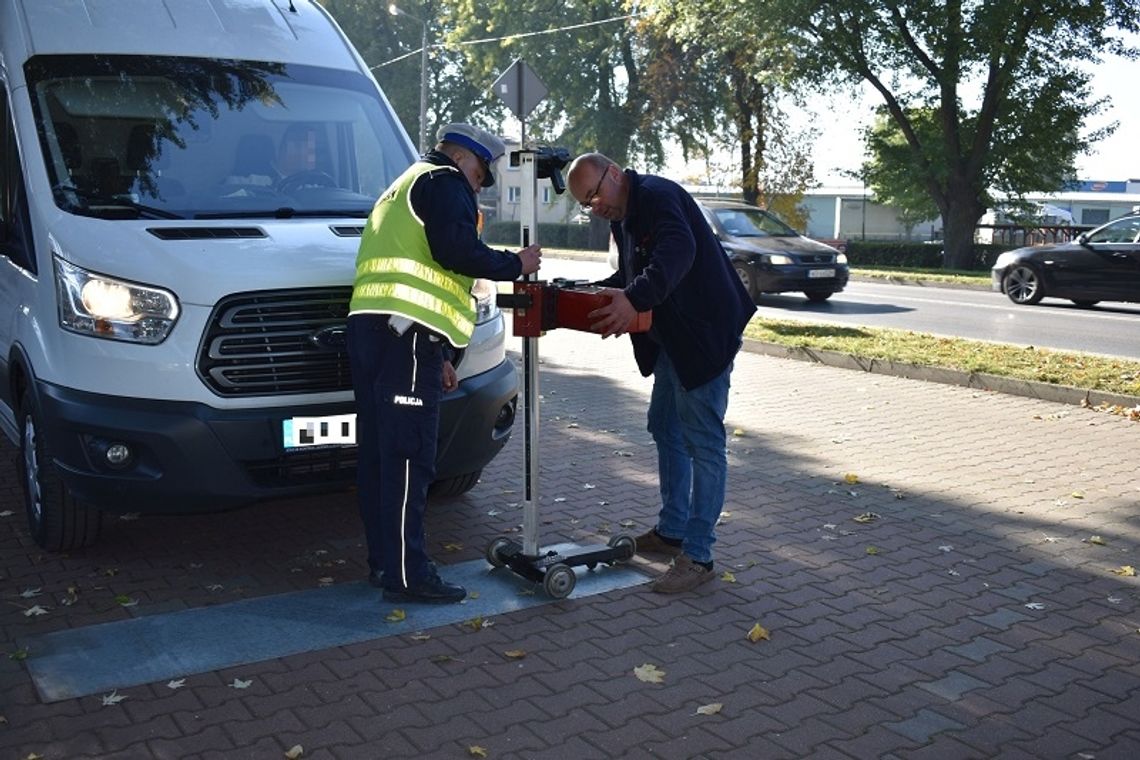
(531,258)
(450,379)
(613,318)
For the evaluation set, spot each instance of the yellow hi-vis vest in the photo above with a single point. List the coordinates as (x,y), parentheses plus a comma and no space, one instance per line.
(395,271)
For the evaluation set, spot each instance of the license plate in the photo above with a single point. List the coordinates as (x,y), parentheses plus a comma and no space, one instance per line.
(337,430)
(815,274)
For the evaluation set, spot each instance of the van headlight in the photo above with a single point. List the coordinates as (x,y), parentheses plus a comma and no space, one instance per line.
(484,292)
(104,307)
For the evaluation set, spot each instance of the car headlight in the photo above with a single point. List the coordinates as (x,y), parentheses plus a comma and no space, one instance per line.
(841,258)
(779,259)
(104,307)
(1004,259)
(484,292)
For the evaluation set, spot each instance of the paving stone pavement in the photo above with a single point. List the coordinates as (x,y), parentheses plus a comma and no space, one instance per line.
(974,616)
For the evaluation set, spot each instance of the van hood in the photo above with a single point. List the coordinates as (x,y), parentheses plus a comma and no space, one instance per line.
(200,262)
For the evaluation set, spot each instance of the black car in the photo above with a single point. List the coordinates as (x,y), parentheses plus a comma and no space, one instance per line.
(771,257)
(1101,265)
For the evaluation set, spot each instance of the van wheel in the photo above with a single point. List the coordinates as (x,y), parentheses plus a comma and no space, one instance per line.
(57,520)
(457,486)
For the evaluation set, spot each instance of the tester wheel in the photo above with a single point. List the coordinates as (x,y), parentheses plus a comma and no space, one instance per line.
(496,550)
(559,581)
(626,546)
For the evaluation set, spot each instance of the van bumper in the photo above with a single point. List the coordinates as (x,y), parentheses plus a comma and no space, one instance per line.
(190,458)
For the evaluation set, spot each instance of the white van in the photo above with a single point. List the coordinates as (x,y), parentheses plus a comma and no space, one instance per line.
(183,184)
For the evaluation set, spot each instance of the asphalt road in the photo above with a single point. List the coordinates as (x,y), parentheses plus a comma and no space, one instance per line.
(1111,329)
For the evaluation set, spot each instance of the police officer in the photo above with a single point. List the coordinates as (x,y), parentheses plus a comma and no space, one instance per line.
(411,312)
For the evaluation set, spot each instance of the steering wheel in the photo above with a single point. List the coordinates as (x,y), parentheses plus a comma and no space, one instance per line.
(308,178)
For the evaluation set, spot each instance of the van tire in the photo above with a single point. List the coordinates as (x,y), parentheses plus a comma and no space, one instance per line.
(448,488)
(57,520)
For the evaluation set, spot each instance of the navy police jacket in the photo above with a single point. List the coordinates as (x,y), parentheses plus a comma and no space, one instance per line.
(671,262)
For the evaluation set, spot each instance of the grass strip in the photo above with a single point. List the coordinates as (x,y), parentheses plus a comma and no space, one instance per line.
(1078,370)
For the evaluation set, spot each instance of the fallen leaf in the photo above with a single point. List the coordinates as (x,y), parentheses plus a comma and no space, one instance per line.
(7,513)
(113,698)
(710,709)
(240,684)
(125,601)
(28,593)
(35,611)
(1127,570)
(396,616)
(514,654)
(1078,494)
(324,581)
(946,548)
(294,752)
(758,632)
(850,478)
(453,547)
(34,756)
(477,623)
(588,486)
(559,499)
(649,673)
(728,577)
(1035,606)
(19,655)
(176,684)
(476,751)
(473,595)
(445,658)
(72,596)
(420,636)
(866,517)
(1096,540)
(738,433)
(627,523)
(129,516)
(623,453)
(872,550)
(1114,600)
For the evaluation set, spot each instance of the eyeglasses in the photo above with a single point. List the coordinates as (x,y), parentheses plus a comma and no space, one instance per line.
(588,204)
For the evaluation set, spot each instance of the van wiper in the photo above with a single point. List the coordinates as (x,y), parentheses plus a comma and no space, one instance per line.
(113,206)
(285,212)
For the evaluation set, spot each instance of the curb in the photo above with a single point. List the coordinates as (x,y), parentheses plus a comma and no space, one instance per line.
(1061,394)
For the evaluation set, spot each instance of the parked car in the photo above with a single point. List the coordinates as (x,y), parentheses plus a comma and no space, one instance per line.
(768,255)
(1101,265)
(771,257)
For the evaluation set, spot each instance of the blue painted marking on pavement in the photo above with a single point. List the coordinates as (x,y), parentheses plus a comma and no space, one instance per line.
(96,659)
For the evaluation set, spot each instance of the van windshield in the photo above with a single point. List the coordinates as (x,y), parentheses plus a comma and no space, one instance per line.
(129,137)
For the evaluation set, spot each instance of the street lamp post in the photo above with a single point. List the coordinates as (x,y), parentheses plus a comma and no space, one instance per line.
(395,10)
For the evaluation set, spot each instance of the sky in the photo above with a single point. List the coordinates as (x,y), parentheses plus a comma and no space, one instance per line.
(842,118)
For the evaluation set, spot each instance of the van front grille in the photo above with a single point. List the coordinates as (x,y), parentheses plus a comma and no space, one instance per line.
(274,343)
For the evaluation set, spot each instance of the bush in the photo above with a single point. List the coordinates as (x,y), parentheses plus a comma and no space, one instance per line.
(914,255)
(549,235)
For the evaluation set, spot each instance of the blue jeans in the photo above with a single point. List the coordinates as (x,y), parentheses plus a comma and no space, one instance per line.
(692,459)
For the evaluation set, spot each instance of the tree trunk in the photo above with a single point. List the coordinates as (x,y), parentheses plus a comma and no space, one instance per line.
(959,221)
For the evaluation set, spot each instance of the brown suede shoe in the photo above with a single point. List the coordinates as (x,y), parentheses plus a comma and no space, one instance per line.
(652,543)
(682,575)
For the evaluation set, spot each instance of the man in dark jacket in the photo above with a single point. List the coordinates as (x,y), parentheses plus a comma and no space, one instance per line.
(672,264)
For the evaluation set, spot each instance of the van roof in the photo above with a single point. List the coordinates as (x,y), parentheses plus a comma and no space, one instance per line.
(261,30)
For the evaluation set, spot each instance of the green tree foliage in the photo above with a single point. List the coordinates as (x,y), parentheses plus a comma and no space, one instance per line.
(988,94)
(389,45)
(733,82)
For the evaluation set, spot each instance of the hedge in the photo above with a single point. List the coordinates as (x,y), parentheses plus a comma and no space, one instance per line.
(915,255)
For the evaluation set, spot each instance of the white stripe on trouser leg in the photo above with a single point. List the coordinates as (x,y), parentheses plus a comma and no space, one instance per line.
(403,521)
(407,478)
